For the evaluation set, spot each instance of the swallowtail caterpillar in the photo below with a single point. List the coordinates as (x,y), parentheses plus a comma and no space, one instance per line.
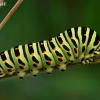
(80,43)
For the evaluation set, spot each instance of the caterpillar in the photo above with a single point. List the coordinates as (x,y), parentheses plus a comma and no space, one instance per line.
(80,43)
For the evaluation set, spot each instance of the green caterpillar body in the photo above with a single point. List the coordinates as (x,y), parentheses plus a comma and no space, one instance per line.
(80,43)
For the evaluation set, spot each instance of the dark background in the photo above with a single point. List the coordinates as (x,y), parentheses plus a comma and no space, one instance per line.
(37,20)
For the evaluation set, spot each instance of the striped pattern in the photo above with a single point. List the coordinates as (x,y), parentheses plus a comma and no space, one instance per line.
(80,43)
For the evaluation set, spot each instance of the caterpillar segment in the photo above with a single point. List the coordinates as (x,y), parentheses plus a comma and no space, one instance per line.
(71,37)
(91,46)
(46,56)
(92,43)
(20,61)
(6,64)
(58,54)
(83,35)
(34,59)
(88,44)
(65,47)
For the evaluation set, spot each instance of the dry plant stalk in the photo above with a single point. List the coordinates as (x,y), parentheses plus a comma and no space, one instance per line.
(97,61)
(10,13)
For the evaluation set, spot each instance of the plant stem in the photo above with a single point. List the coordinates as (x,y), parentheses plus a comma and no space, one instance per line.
(10,13)
(69,65)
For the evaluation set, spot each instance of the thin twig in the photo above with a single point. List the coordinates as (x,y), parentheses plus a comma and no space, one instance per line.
(10,13)
(69,65)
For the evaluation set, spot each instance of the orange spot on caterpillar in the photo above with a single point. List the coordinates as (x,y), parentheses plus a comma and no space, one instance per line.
(5,61)
(84,34)
(41,43)
(60,57)
(58,36)
(10,69)
(22,66)
(50,40)
(0,73)
(44,52)
(62,43)
(36,64)
(68,52)
(84,46)
(32,54)
(2,53)
(18,56)
(71,37)
(30,45)
(16,48)
(54,48)
(76,48)
(49,61)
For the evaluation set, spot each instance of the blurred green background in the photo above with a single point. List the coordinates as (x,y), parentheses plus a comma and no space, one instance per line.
(37,20)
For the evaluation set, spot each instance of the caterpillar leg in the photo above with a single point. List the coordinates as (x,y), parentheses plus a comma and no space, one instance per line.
(49,70)
(91,59)
(35,72)
(88,58)
(83,61)
(21,74)
(62,66)
(87,61)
